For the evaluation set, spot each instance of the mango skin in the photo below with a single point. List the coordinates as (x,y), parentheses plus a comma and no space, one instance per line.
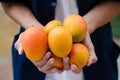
(35,43)
(77,27)
(79,55)
(60,41)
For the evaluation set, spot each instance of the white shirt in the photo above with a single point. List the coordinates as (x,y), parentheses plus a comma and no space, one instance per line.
(63,9)
(66,75)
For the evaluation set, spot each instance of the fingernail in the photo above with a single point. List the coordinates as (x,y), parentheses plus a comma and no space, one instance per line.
(66,59)
(89,64)
(48,55)
(52,61)
(20,51)
(73,68)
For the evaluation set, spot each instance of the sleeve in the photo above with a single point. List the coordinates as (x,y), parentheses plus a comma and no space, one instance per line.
(25,2)
(5,0)
(116,0)
(110,0)
(13,0)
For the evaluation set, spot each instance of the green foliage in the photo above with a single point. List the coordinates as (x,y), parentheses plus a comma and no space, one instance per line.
(116,26)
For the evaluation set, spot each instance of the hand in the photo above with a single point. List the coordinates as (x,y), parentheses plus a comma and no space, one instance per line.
(45,65)
(92,58)
(72,67)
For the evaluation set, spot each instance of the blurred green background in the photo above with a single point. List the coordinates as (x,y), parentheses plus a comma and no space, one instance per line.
(116,26)
(116,33)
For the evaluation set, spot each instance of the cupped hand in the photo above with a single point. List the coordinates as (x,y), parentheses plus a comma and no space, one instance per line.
(45,65)
(92,59)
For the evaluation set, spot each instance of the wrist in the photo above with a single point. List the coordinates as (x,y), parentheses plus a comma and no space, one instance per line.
(90,24)
(35,24)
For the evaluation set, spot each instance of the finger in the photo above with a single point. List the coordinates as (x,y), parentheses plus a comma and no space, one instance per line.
(59,71)
(92,59)
(56,70)
(43,61)
(48,65)
(66,63)
(88,43)
(52,70)
(20,50)
(18,44)
(75,69)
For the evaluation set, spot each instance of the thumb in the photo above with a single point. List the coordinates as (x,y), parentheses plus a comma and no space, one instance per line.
(20,50)
(18,46)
